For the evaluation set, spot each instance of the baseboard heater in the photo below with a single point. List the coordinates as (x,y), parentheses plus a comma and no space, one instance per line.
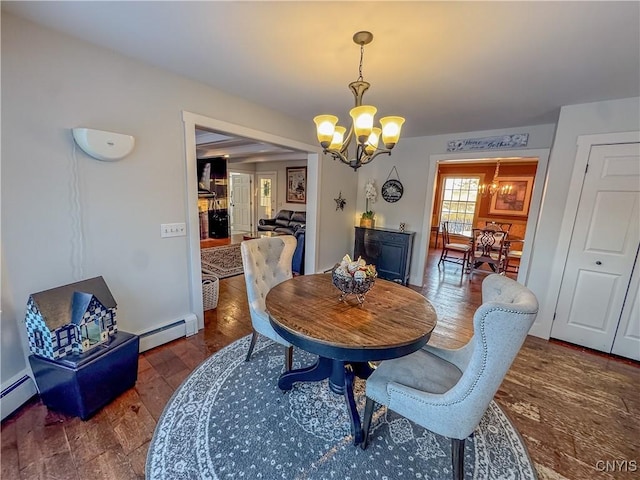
(20,388)
(184,327)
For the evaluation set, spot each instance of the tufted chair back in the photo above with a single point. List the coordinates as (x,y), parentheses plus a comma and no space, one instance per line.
(266,262)
(500,327)
(448,391)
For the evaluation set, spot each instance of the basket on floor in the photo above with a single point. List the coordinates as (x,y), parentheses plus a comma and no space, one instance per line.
(210,289)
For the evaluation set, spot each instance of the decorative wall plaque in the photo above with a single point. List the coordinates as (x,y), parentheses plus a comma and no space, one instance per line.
(392,189)
(489,143)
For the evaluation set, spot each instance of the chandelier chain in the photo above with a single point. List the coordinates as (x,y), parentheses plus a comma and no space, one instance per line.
(360,79)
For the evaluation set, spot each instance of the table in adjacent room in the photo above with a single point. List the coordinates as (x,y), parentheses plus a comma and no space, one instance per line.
(393,321)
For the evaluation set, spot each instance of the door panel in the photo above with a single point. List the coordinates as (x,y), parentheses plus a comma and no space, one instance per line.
(627,340)
(241,203)
(603,248)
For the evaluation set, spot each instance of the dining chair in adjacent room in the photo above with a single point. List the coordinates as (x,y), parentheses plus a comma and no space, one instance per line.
(266,262)
(448,391)
(454,252)
(487,246)
(514,256)
(505,227)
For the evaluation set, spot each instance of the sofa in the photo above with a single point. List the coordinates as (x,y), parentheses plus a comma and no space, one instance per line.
(286,222)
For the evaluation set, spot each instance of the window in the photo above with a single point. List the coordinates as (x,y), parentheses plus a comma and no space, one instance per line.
(91,331)
(458,203)
(63,338)
(107,320)
(37,335)
(265,194)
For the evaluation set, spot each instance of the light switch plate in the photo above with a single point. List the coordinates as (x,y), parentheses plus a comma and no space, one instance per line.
(173,230)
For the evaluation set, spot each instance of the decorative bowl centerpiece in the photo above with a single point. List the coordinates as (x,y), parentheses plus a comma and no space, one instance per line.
(353,277)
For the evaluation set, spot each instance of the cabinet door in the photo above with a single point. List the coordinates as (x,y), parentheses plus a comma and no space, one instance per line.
(392,261)
(389,251)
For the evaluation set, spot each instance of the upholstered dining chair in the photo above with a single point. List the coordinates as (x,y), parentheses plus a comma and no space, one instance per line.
(454,252)
(448,391)
(266,262)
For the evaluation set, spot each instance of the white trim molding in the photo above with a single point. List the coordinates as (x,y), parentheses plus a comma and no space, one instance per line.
(544,322)
(193,120)
(540,154)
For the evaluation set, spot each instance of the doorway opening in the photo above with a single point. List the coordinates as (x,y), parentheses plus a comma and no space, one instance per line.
(236,136)
(486,210)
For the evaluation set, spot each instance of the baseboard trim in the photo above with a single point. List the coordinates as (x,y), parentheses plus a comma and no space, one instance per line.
(167,332)
(15,392)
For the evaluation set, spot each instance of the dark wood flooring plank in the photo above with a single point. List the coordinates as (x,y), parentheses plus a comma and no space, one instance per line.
(54,467)
(155,394)
(87,440)
(9,463)
(111,465)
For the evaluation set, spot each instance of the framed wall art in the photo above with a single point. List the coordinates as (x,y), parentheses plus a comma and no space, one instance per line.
(296,184)
(516,201)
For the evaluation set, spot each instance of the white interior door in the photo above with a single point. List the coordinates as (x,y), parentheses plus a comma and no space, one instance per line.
(240,210)
(603,248)
(627,340)
(266,189)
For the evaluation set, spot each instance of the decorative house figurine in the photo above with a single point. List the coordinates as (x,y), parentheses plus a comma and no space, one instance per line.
(65,325)
(71,319)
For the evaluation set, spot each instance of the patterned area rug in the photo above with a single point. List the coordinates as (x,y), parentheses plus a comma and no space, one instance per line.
(224,261)
(230,420)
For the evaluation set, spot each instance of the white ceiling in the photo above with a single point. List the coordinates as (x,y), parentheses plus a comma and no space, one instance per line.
(445,66)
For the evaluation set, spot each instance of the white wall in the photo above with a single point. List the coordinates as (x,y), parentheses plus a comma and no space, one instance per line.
(281,194)
(591,118)
(335,226)
(51,83)
(411,158)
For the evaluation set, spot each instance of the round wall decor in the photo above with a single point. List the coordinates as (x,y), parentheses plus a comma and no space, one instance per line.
(392,190)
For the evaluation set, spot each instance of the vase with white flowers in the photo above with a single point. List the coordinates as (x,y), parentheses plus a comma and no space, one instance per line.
(367,219)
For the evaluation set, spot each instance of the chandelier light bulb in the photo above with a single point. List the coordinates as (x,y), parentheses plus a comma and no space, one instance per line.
(391,127)
(338,138)
(325,126)
(372,142)
(363,121)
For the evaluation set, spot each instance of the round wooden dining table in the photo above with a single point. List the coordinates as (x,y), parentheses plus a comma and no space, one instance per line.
(306,311)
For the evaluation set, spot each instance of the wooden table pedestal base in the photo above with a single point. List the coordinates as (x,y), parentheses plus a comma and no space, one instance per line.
(341,375)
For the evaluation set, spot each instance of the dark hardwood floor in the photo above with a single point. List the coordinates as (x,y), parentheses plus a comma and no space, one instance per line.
(575,409)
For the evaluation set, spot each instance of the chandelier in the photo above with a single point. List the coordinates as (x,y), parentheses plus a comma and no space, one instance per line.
(493,188)
(366,136)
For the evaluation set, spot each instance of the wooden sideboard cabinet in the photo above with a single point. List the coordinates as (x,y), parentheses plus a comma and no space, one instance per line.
(389,250)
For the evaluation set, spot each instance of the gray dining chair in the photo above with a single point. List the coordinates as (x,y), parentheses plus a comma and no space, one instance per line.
(266,262)
(448,391)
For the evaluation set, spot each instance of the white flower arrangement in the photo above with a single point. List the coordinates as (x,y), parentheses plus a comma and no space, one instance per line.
(370,194)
